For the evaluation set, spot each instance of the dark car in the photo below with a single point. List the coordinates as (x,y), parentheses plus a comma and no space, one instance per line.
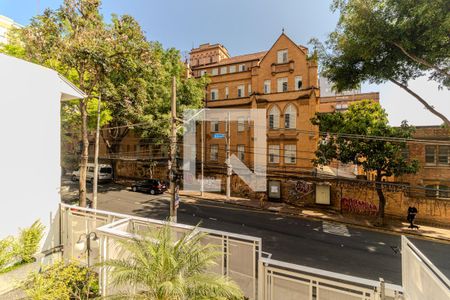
(152,186)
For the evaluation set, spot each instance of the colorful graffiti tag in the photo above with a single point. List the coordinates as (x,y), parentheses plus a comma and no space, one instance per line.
(358,206)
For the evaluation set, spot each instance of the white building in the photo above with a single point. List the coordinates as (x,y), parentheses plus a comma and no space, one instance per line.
(30,169)
(5,25)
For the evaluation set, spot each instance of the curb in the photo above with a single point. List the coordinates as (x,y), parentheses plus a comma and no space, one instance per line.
(303,216)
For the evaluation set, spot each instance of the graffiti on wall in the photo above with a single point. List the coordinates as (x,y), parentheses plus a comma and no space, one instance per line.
(300,189)
(358,206)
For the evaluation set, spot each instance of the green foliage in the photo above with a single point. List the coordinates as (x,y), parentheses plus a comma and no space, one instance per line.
(362,136)
(9,252)
(371,150)
(169,269)
(29,241)
(378,40)
(388,40)
(62,281)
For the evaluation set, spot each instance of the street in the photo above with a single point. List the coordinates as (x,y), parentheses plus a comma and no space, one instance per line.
(319,244)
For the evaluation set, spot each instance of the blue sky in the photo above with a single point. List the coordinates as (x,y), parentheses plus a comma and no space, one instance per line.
(246,26)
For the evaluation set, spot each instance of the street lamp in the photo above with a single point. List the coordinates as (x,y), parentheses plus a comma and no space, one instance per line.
(90,241)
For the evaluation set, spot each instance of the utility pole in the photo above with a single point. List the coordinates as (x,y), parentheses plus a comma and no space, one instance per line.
(97,142)
(228,157)
(173,152)
(202,187)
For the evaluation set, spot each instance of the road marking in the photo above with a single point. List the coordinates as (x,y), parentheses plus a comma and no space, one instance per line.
(335,228)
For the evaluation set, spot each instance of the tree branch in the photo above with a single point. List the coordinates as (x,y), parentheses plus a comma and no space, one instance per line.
(421,100)
(421,61)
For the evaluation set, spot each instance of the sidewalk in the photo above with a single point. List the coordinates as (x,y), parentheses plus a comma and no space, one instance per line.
(392,225)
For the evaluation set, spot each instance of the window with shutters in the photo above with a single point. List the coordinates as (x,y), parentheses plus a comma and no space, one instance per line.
(214,94)
(241,152)
(274,117)
(266,86)
(290,154)
(282,56)
(241,124)
(241,91)
(214,152)
(290,116)
(274,154)
(298,83)
(214,126)
(282,85)
(430,154)
(443,158)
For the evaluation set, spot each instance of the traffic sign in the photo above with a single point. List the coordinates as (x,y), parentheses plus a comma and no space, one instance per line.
(218,135)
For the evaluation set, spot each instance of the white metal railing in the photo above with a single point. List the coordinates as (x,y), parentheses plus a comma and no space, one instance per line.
(420,277)
(289,281)
(260,278)
(240,253)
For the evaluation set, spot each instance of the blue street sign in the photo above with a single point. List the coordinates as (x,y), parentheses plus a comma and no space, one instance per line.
(218,135)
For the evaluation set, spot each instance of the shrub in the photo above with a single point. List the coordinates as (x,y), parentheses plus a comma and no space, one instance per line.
(29,241)
(9,252)
(62,281)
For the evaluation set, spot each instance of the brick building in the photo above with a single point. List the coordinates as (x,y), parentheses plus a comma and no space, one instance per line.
(432,150)
(282,80)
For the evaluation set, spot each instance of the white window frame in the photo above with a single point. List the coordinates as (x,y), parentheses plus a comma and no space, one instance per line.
(215,72)
(214,152)
(214,94)
(297,80)
(281,83)
(227,92)
(241,152)
(267,84)
(242,89)
(282,56)
(274,117)
(202,72)
(241,124)
(249,89)
(242,68)
(274,154)
(232,69)
(223,70)
(290,116)
(290,154)
(214,126)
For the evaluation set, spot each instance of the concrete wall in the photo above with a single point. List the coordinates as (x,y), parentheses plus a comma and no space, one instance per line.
(30,169)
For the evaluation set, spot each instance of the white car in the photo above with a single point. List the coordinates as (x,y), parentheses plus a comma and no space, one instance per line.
(104,173)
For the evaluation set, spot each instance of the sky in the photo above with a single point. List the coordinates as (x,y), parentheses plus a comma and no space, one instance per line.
(246,26)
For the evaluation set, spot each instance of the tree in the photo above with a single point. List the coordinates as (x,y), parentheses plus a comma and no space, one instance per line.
(164,268)
(62,281)
(389,40)
(362,135)
(111,60)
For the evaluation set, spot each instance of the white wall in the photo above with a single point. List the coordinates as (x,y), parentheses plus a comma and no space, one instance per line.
(30,143)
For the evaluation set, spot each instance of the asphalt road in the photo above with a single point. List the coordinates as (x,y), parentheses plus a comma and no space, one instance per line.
(319,244)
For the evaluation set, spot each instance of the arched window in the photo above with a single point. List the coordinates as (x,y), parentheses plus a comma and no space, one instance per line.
(290,116)
(274,117)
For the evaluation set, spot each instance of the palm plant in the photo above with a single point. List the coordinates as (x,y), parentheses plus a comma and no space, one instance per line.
(159,267)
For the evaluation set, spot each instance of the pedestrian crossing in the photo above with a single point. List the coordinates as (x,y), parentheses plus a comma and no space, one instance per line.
(335,228)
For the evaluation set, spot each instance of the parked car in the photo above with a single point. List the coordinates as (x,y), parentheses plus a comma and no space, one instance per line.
(152,186)
(104,173)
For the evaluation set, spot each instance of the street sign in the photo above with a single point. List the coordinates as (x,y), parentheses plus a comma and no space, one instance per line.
(218,135)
